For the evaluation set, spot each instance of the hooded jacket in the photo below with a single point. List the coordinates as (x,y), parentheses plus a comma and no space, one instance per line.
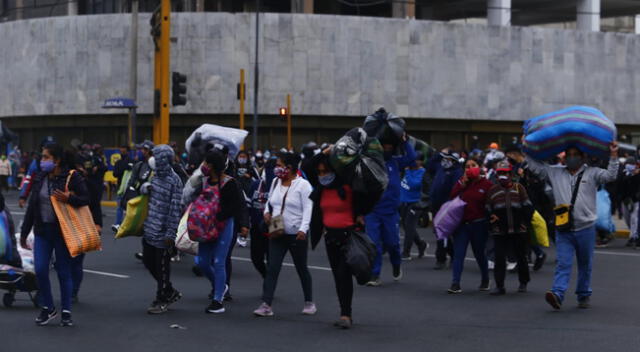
(165,204)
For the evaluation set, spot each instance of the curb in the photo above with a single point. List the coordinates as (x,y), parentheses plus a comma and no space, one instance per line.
(109,203)
(622,234)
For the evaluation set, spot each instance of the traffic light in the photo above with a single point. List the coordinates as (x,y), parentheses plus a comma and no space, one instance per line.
(179,89)
(283,113)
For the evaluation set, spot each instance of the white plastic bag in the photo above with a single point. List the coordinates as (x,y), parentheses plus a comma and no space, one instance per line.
(26,255)
(183,242)
(209,134)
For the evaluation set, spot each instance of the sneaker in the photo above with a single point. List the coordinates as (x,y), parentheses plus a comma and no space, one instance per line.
(490,264)
(511,267)
(138,256)
(309,308)
(440,266)
(397,273)
(455,288)
(537,265)
(157,307)
(215,308)
(406,257)
(631,242)
(498,291)
(66,319)
(115,228)
(422,247)
(484,286)
(343,324)
(242,242)
(553,300)
(374,282)
(174,297)
(263,311)
(522,288)
(175,258)
(584,302)
(46,316)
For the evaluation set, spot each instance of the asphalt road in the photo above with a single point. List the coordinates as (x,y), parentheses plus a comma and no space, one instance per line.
(414,314)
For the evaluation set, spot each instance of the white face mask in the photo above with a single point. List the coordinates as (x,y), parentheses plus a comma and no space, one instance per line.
(152,163)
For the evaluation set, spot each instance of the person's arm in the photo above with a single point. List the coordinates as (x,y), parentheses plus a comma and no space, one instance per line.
(175,213)
(537,168)
(271,190)
(409,157)
(611,173)
(458,188)
(80,194)
(307,206)
(527,206)
(118,168)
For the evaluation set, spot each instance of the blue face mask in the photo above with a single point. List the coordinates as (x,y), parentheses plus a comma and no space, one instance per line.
(47,165)
(327,179)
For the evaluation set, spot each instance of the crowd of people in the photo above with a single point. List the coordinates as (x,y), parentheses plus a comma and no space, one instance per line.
(287,201)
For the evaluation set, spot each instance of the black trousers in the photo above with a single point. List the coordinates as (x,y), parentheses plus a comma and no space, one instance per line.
(278,248)
(158,262)
(519,243)
(442,249)
(410,214)
(259,250)
(335,242)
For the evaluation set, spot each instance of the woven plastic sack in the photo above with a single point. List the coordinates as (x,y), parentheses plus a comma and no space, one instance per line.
(136,214)
(126,176)
(583,127)
(207,136)
(603,209)
(539,231)
(183,242)
(449,218)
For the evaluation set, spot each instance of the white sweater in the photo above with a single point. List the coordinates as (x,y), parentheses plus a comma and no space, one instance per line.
(298,207)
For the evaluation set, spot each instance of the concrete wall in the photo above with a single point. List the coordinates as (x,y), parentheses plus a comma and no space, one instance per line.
(332,65)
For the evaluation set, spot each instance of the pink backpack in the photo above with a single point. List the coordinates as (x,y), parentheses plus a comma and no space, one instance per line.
(202,224)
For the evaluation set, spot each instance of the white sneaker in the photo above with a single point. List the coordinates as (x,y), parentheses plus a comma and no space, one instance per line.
(511,266)
(491,265)
(242,242)
(263,311)
(309,308)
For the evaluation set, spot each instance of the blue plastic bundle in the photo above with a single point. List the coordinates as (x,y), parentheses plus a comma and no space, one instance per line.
(583,127)
(603,208)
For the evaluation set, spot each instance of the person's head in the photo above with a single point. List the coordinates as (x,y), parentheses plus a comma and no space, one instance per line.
(162,159)
(287,165)
(3,157)
(472,169)
(242,158)
(146,148)
(215,162)
(503,172)
(97,148)
(326,175)
(124,150)
(494,146)
(574,158)
(309,149)
(449,159)
(419,160)
(53,156)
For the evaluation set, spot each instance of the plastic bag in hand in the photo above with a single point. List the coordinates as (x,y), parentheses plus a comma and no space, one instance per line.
(207,136)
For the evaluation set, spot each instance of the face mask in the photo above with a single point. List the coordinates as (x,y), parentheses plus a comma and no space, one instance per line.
(205,169)
(629,168)
(152,163)
(259,156)
(47,165)
(242,160)
(281,172)
(446,163)
(327,179)
(574,162)
(504,180)
(242,171)
(473,173)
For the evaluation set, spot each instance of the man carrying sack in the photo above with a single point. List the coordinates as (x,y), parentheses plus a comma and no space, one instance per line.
(574,190)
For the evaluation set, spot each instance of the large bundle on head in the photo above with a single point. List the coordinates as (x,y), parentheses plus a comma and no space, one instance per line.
(386,127)
(207,136)
(579,126)
(359,160)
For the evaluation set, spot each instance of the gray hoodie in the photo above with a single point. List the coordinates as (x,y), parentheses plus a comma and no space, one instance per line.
(562,182)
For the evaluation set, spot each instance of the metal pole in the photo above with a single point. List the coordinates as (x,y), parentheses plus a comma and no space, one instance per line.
(289,144)
(241,92)
(133,70)
(165,54)
(256,72)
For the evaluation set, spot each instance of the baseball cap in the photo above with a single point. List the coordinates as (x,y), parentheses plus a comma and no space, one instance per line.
(503,165)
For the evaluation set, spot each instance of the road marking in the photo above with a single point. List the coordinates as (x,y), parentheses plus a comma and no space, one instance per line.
(621,254)
(106,274)
(285,264)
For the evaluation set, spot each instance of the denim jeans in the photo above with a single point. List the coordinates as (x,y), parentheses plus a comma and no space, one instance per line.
(119,212)
(46,242)
(384,230)
(582,243)
(477,234)
(212,259)
(77,273)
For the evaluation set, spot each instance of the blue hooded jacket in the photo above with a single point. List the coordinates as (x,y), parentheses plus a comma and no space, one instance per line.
(390,201)
(443,181)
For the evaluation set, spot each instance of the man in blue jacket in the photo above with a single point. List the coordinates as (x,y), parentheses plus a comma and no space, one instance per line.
(446,171)
(382,224)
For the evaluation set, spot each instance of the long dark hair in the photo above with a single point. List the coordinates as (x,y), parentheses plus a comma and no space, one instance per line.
(217,160)
(67,158)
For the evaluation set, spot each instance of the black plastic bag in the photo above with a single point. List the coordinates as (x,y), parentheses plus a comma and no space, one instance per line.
(386,127)
(360,253)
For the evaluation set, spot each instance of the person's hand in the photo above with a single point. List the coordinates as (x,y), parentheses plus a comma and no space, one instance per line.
(62,196)
(405,137)
(465,179)
(301,236)
(520,172)
(99,228)
(327,150)
(613,147)
(244,232)
(360,220)
(493,218)
(22,202)
(267,218)
(23,243)
(169,242)
(95,169)
(636,171)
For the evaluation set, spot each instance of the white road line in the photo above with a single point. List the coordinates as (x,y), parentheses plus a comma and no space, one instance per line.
(285,264)
(620,254)
(106,274)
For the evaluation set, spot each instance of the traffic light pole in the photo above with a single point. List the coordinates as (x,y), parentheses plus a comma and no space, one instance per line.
(133,71)
(165,51)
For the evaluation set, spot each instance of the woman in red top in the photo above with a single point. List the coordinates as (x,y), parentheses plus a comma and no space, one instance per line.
(473,189)
(337,210)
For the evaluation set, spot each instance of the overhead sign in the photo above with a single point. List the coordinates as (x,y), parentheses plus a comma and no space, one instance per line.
(119,103)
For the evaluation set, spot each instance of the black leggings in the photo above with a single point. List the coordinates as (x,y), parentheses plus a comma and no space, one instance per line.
(259,250)
(410,215)
(158,262)
(519,243)
(278,248)
(336,241)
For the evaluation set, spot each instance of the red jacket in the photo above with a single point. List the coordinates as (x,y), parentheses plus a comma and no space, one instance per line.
(475,195)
